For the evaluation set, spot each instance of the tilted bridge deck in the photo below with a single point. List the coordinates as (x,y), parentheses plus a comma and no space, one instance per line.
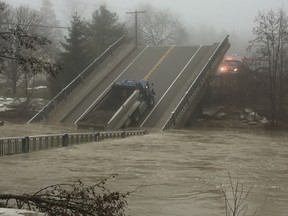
(172,69)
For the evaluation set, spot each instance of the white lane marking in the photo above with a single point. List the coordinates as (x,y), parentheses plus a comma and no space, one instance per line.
(170,86)
(106,90)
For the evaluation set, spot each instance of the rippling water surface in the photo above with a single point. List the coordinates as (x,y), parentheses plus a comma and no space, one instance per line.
(180,172)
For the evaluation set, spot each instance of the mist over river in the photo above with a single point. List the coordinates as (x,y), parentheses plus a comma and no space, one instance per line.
(180,172)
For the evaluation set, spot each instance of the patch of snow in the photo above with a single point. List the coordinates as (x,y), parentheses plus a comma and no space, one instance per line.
(22,100)
(18,212)
(40,87)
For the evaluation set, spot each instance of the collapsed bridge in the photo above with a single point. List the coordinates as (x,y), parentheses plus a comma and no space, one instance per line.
(180,75)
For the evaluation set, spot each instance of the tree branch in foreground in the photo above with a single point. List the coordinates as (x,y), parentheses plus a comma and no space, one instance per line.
(70,199)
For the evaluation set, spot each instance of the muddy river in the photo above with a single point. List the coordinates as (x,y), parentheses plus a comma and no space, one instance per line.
(180,172)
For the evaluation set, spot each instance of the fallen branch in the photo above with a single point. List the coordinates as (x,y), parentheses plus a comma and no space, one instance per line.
(70,199)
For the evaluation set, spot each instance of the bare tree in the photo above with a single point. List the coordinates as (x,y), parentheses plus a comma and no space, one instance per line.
(160,27)
(21,46)
(236,205)
(4,13)
(23,17)
(270,46)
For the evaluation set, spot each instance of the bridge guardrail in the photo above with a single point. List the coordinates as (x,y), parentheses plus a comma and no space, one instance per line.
(43,113)
(17,145)
(196,85)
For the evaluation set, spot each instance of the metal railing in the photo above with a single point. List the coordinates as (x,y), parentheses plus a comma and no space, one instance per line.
(18,145)
(43,113)
(197,84)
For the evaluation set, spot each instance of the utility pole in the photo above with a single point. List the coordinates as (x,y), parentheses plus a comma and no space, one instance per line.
(136,24)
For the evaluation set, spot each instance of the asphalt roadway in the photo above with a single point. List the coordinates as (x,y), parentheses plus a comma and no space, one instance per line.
(172,69)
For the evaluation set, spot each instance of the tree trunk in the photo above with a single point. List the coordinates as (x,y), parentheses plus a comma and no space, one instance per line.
(14,78)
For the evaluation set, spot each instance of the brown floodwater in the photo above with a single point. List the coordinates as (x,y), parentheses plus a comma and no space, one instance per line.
(180,172)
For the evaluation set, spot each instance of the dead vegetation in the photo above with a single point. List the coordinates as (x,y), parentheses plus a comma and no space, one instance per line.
(73,199)
(236,200)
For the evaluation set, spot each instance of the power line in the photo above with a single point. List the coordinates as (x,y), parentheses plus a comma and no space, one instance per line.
(59,3)
(33,25)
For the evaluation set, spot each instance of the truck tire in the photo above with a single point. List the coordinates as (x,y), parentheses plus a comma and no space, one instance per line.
(150,101)
(135,116)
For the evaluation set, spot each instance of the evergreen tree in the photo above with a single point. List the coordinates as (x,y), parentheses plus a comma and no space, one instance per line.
(50,29)
(85,42)
(74,58)
(104,29)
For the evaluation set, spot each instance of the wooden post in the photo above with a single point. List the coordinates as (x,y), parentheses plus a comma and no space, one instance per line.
(25,145)
(123,134)
(65,140)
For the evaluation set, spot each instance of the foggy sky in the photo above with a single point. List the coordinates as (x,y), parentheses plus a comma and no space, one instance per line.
(229,15)
(221,14)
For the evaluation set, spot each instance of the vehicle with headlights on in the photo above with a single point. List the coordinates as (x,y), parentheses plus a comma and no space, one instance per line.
(230,65)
